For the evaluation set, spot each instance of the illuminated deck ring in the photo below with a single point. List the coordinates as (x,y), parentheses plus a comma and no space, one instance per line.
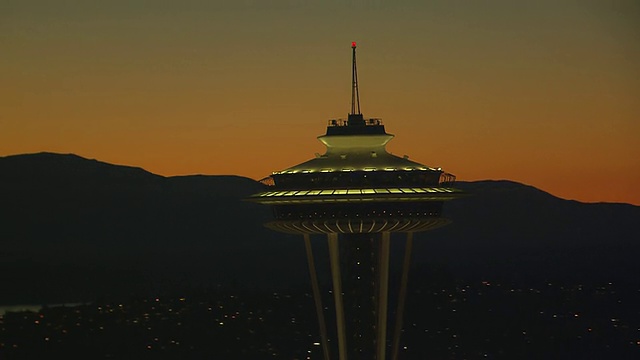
(356,195)
(357,226)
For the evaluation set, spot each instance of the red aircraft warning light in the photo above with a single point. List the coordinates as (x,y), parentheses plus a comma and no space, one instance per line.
(353,44)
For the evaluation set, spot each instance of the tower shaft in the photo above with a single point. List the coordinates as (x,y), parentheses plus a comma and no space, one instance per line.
(362,290)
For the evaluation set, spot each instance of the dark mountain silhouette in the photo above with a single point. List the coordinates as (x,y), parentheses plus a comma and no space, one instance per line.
(517,232)
(73,229)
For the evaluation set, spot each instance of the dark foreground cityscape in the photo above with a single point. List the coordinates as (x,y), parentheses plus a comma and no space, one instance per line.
(444,320)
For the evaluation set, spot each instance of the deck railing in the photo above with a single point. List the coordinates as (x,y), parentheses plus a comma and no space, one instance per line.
(345,122)
(447,179)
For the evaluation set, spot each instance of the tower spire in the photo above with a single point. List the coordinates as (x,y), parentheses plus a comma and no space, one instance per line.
(355,96)
(355,117)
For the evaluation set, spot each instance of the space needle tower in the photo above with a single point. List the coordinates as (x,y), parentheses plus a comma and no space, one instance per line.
(356,195)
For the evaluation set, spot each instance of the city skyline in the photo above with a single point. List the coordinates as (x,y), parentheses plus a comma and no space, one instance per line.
(543,94)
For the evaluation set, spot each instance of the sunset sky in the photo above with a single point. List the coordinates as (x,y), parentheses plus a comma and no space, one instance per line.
(546,93)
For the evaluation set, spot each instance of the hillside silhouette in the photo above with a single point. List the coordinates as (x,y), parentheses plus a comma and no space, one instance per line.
(74,229)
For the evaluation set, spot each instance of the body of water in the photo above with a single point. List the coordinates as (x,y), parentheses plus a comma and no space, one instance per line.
(31,307)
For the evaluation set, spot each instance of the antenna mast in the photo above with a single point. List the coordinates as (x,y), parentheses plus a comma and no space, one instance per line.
(355,95)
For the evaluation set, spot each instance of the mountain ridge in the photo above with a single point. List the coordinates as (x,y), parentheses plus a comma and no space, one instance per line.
(76,228)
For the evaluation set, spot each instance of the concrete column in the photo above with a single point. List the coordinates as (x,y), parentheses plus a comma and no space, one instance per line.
(383,273)
(402,296)
(334,257)
(316,297)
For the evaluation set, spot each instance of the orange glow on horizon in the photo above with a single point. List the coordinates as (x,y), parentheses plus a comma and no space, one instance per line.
(480,95)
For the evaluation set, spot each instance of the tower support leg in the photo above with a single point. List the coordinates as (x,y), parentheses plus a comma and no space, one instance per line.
(402,296)
(334,257)
(316,297)
(381,339)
